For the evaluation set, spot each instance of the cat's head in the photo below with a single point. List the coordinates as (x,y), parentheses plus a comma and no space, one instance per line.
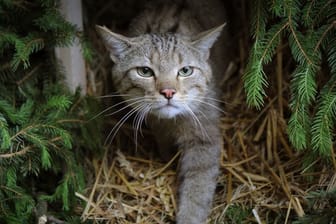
(162,74)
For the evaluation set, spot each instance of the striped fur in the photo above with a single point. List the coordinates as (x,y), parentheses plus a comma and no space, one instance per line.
(169,39)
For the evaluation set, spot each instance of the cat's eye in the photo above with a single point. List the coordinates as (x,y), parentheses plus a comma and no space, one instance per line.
(145,71)
(186,71)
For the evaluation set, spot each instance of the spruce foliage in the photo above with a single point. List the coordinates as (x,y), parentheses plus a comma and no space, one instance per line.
(308,28)
(43,127)
(322,208)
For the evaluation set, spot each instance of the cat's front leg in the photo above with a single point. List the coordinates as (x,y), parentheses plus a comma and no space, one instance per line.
(199,167)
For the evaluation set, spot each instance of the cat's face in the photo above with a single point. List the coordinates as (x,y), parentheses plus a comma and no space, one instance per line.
(165,75)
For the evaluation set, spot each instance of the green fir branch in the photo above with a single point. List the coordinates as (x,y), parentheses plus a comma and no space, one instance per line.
(304,85)
(37,153)
(292,13)
(298,126)
(262,53)
(324,120)
(308,29)
(330,46)
(276,7)
(324,214)
(4,134)
(259,18)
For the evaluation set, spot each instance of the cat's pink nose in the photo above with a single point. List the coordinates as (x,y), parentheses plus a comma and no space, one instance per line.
(168,93)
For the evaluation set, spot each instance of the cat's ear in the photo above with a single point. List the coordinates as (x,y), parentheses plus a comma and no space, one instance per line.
(205,40)
(115,43)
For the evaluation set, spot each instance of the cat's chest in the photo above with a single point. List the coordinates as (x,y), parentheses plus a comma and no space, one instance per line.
(172,127)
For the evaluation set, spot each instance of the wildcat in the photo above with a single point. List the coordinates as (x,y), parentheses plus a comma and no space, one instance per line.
(165,71)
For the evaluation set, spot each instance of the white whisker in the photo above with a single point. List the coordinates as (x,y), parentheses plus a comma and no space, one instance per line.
(197,121)
(203,114)
(112,95)
(116,128)
(137,99)
(109,108)
(209,104)
(126,106)
(138,120)
(142,116)
(217,100)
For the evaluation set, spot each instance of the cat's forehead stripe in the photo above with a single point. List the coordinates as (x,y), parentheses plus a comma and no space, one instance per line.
(163,41)
(164,45)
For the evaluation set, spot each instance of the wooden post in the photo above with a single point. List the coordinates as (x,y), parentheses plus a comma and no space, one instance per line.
(71,57)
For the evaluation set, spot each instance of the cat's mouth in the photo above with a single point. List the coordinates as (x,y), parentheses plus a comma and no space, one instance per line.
(168,110)
(167,106)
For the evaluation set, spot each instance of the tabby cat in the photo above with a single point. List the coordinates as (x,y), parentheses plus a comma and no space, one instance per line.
(162,70)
